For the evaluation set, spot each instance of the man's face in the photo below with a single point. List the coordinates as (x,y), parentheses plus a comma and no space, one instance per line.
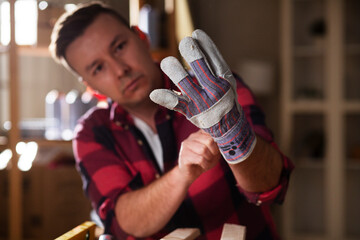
(113,60)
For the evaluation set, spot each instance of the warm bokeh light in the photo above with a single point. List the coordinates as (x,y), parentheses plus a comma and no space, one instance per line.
(25,22)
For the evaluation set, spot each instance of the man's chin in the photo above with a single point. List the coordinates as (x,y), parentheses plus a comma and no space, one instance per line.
(135,102)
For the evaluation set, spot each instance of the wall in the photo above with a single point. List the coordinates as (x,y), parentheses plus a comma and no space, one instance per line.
(248,28)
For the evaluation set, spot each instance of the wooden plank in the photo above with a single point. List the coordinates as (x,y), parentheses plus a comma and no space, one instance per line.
(83,231)
(233,232)
(183,234)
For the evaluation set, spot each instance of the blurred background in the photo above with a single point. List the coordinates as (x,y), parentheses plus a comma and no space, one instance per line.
(301,58)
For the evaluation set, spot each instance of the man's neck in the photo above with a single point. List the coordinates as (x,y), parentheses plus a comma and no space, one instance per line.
(145,112)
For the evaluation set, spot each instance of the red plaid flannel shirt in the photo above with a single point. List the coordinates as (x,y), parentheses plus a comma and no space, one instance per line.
(113,158)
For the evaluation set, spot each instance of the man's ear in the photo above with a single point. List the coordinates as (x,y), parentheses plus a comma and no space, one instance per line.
(141,35)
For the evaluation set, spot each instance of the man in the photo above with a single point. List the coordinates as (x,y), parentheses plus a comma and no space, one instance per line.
(146,169)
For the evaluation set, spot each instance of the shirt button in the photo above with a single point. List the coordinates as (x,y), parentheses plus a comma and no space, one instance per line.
(118,123)
(126,127)
(168,117)
(157,176)
(258,203)
(140,142)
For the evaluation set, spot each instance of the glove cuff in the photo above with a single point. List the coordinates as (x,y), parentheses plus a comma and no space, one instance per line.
(237,144)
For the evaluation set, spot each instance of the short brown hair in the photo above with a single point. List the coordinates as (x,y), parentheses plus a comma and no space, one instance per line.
(71,25)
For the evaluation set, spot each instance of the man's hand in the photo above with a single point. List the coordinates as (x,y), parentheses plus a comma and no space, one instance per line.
(198,153)
(157,202)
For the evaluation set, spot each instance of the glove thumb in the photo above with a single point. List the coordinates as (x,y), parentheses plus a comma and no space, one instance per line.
(165,98)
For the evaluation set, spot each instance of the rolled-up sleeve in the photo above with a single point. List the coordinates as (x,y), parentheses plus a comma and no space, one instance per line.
(105,174)
(275,195)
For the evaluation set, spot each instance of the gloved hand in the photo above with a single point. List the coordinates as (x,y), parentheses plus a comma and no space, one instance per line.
(211,104)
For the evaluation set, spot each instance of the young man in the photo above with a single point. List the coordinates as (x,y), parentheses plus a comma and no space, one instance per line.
(148,170)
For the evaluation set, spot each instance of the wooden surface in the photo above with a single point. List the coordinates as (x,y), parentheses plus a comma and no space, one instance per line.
(85,230)
(183,234)
(233,232)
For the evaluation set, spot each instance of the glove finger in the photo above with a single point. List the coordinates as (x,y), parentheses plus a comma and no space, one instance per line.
(171,100)
(165,98)
(215,87)
(192,53)
(173,69)
(178,75)
(213,56)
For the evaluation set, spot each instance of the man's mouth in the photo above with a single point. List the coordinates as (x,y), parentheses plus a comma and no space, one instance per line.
(132,84)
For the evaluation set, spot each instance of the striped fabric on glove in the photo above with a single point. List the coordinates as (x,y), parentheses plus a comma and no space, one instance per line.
(211,104)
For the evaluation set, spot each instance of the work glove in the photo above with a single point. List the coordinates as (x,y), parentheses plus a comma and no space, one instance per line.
(211,103)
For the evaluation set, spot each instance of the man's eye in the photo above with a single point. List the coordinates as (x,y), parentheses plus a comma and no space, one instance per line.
(97,69)
(120,46)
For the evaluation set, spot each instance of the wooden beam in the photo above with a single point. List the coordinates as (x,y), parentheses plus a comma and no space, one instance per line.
(183,234)
(233,232)
(85,230)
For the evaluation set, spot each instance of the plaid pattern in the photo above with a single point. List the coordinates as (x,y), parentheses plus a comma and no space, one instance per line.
(113,158)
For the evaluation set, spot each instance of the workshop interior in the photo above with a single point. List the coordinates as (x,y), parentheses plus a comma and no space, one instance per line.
(301,59)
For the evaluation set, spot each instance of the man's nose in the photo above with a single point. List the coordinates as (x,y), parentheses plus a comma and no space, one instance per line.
(119,67)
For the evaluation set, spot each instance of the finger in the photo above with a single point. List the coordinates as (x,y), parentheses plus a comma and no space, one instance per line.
(198,148)
(187,156)
(212,145)
(213,56)
(203,157)
(178,75)
(173,68)
(164,97)
(194,153)
(202,144)
(172,101)
(192,53)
